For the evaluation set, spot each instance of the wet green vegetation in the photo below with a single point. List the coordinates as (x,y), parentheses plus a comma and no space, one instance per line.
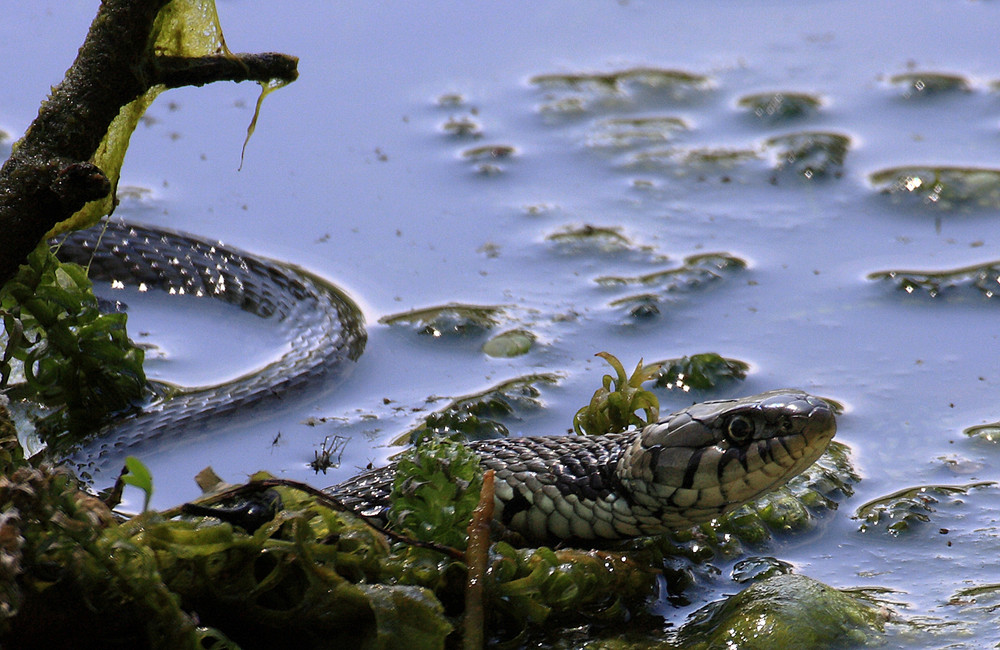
(619,81)
(810,154)
(479,415)
(626,132)
(512,343)
(69,355)
(984,278)
(903,511)
(450,321)
(940,188)
(915,85)
(703,371)
(779,107)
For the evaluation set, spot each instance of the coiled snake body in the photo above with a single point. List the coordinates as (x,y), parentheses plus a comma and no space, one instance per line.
(319,328)
(689,467)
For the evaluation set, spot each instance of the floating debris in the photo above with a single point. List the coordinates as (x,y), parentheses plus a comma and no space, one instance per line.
(810,154)
(989,432)
(615,82)
(925,84)
(623,132)
(512,343)
(453,320)
(779,107)
(451,100)
(489,152)
(696,270)
(474,416)
(699,371)
(573,94)
(641,306)
(983,277)
(463,127)
(588,239)
(900,511)
(942,187)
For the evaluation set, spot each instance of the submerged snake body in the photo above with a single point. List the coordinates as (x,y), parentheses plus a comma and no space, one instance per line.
(319,328)
(690,467)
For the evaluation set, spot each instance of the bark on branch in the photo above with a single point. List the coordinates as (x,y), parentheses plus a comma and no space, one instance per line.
(49,176)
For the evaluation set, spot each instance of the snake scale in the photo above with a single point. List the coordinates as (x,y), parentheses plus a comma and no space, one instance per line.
(691,466)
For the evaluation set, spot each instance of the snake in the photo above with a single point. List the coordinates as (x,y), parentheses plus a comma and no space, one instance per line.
(690,467)
(319,329)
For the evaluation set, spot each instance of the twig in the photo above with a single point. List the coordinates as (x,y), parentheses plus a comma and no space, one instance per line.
(477,559)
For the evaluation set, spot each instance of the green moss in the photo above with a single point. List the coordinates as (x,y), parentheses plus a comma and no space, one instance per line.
(785,611)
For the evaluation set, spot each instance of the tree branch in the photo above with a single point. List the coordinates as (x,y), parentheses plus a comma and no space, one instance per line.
(177,71)
(50,176)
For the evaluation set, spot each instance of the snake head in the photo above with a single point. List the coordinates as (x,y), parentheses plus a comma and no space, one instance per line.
(710,458)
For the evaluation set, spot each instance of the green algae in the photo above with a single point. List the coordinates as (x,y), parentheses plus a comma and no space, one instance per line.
(810,154)
(453,320)
(616,81)
(989,432)
(694,271)
(915,85)
(940,187)
(778,107)
(699,371)
(785,611)
(630,132)
(905,510)
(984,278)
(512,343)
(615,405)
(477,416)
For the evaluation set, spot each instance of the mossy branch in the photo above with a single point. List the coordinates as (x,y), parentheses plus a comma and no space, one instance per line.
(50,176)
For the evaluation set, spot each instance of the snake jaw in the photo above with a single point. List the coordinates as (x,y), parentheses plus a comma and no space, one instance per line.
(713,457)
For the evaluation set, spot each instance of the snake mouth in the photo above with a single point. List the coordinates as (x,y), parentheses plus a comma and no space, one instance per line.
(713,457)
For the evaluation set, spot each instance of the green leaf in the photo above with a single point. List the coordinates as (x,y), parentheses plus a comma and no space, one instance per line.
(138,475)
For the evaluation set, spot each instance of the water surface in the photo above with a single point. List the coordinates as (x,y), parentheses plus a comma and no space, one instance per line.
(357,172)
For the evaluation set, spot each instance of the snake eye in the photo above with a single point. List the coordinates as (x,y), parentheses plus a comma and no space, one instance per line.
(739,428)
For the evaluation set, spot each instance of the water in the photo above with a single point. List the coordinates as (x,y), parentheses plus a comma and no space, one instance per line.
(353,175)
